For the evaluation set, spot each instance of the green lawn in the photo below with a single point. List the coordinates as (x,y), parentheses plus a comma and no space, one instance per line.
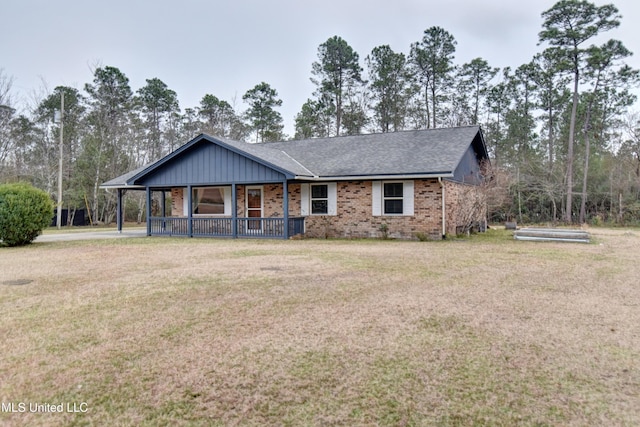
(481,331)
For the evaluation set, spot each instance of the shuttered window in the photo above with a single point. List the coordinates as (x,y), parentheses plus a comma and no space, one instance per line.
(392,198)
(319,199)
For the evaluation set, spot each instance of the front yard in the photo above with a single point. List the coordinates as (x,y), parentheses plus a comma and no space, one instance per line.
(163,331)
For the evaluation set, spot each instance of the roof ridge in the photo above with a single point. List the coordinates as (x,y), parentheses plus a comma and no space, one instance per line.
(301,165)
(371,134)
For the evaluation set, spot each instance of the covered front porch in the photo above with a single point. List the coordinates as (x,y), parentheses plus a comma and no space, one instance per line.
(219,210)
(219,188)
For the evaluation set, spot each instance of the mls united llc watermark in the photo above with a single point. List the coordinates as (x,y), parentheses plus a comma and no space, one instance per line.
(34,407)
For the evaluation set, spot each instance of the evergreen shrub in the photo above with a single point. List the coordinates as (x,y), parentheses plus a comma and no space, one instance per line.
(24,212)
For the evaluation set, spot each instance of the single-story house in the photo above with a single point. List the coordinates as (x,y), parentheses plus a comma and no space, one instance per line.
(402,184)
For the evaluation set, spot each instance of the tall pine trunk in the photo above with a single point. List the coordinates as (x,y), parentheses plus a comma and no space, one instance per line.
(572,128)
(583,202)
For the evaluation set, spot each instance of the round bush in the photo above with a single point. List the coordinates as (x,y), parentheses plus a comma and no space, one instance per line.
(24,212)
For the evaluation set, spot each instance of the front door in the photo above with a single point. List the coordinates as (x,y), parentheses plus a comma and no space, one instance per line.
(254,207)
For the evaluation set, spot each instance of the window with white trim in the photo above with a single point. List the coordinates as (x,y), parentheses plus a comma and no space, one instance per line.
(319,199)
(392,198)
(210,201)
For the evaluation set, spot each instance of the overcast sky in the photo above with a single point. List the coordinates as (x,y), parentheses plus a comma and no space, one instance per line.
(227,47)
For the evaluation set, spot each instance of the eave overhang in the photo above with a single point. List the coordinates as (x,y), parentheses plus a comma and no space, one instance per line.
(376,177)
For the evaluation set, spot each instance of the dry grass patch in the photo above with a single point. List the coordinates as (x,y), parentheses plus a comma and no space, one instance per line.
(487,331)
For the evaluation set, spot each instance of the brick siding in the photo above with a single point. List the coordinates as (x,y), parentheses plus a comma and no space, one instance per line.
(354,218)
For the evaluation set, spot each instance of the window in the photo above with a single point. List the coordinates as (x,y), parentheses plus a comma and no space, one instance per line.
(392,197)
(319,199)
(209,201)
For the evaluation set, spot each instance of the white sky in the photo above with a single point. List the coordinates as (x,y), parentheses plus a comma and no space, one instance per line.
(227,47)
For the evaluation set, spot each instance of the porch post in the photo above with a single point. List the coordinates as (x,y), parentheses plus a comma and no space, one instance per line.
(163,200)
(148,211)
(285,207)
(234,210)
(119,211)
(189,211)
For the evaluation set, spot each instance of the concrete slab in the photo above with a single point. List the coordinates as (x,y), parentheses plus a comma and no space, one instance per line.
(552,235)
(90,235)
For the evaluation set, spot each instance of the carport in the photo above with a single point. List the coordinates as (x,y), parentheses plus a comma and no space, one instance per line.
(121,186)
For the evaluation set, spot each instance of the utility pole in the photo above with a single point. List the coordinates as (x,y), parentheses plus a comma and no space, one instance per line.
(59,210)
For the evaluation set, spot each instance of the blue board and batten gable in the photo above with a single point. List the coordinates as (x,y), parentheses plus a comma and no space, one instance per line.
(207,161)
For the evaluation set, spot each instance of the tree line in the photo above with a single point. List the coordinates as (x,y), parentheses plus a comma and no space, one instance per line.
(563,141)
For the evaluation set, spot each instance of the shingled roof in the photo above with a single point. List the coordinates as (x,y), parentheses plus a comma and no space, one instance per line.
(122,181)
(415,152)
(430,152)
